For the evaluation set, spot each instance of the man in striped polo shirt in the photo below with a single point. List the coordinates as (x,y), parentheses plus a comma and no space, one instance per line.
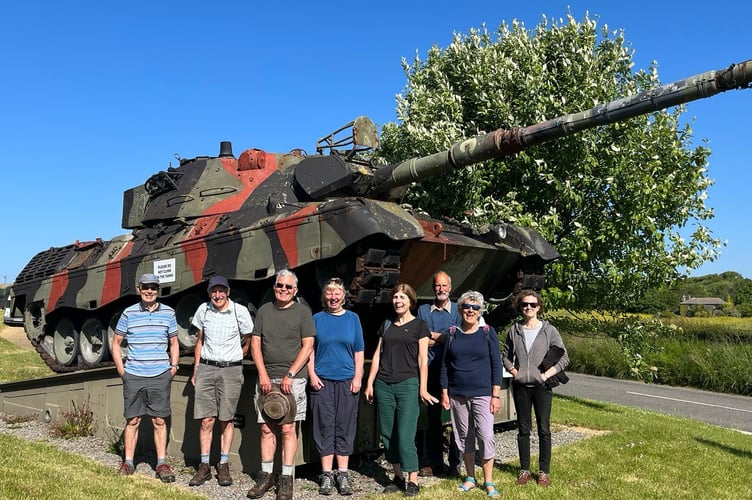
(223,340)
(151,330)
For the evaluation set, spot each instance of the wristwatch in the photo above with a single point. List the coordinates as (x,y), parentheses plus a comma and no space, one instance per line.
(290,375)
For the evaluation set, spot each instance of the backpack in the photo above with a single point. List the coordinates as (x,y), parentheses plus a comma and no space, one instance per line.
(453,331)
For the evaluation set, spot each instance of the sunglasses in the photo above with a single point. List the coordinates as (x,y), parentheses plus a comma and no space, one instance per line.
(531,305)
(149,287)
(474,307)
(283,285)
(336,281)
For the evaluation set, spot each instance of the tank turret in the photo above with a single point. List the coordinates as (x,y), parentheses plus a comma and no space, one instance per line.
(333,213)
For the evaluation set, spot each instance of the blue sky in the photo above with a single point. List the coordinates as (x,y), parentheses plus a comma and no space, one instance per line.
(97,96)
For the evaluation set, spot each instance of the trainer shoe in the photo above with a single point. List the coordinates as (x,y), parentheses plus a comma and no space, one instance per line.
(543,479)
(397,484)
(125,469)
(223,474)
(343,484)
(203,474)
(411,489)
(165,473)
(523,478)
(326,484)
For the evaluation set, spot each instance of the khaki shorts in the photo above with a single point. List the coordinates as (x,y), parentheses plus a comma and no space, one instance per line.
(217,391)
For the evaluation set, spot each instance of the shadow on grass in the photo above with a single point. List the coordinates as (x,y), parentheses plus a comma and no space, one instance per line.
(728,449)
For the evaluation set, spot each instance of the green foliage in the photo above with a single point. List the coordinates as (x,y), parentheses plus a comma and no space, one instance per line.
(610,199)
(78,421)
(702,353)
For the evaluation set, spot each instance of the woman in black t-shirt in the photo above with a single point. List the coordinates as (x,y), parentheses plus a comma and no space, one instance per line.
(398,379)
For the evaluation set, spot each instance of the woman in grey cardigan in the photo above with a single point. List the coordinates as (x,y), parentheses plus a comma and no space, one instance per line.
(526,345)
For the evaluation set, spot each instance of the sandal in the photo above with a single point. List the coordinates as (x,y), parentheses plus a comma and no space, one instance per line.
(493,492)
(462,486)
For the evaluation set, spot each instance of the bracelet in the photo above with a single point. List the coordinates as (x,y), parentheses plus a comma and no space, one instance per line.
(174,366)
(496,397)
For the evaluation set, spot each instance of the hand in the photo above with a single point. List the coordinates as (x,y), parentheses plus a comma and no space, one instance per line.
(427,398)
(445,401)
(368,393)
(316,383)
(495,405)
(286,385)
(265,384)
(355,385)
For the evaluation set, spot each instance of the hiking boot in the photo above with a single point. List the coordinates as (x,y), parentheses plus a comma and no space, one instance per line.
(126,470)
(343,484)
(285,488)
(223,474)
(264,482)
(397,484)
(523,478)
(165,473)
(203,474)
(411,489)
(543,479)
(326,484)
(426,471)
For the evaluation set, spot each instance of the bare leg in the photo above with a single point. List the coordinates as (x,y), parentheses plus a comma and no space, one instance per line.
(130,436)
(205,435)
(268,442)
(227,427)
(160,436)
(289,444)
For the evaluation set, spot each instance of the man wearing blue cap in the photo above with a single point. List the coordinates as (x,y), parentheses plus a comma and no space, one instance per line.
(150,328)
(222,342)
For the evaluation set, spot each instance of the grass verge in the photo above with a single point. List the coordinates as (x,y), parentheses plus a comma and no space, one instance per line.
(20,364)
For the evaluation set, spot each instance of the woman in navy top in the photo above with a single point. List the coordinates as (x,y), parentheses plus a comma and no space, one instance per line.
(471,388)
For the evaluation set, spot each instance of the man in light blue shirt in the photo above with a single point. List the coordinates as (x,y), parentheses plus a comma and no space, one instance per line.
(150,328)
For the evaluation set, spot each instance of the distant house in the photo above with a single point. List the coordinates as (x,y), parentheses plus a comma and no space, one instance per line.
(711,304)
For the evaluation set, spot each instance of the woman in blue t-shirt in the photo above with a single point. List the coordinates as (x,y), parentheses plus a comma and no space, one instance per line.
(335,373)
(471,388)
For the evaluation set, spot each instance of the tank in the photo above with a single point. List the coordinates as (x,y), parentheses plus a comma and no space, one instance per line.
(334,213)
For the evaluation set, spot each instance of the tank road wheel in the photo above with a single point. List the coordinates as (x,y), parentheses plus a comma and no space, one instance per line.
(184,312)
(93,341)
(65,342)
(111,334)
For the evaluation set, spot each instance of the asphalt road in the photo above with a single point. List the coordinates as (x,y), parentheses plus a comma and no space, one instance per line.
(724,410)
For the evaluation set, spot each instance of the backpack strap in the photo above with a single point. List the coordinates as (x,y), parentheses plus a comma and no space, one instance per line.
(384,327)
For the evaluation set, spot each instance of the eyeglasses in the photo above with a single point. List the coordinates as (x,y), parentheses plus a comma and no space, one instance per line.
(283,285)
(474,307)
(336,281)
(531,305)
(149,287)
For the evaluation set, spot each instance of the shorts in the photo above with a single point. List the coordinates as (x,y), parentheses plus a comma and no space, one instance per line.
(298,390)
(217,391)
(146,395)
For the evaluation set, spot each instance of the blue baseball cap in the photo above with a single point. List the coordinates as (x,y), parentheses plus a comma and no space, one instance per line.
(218,281)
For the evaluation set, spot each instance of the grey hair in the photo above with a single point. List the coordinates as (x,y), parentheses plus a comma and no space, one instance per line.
(286,272)
(472,296)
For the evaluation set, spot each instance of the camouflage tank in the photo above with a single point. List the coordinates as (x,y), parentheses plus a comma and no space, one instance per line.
(329,214)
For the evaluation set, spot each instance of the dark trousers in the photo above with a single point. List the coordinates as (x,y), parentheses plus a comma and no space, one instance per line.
(526,399)
(433,436)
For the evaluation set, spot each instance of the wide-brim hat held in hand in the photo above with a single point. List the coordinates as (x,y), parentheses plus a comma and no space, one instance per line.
(277,407)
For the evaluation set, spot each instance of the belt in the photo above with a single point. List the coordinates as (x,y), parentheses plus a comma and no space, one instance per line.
(220,364)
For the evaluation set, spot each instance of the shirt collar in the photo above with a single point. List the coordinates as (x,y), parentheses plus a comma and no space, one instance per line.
(447,307)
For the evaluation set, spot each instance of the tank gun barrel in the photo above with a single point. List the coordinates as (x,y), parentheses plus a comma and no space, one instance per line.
(506,142)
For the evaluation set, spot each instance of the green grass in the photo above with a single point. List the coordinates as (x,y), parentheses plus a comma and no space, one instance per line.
(37,471)
(20,364)
(639,455)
